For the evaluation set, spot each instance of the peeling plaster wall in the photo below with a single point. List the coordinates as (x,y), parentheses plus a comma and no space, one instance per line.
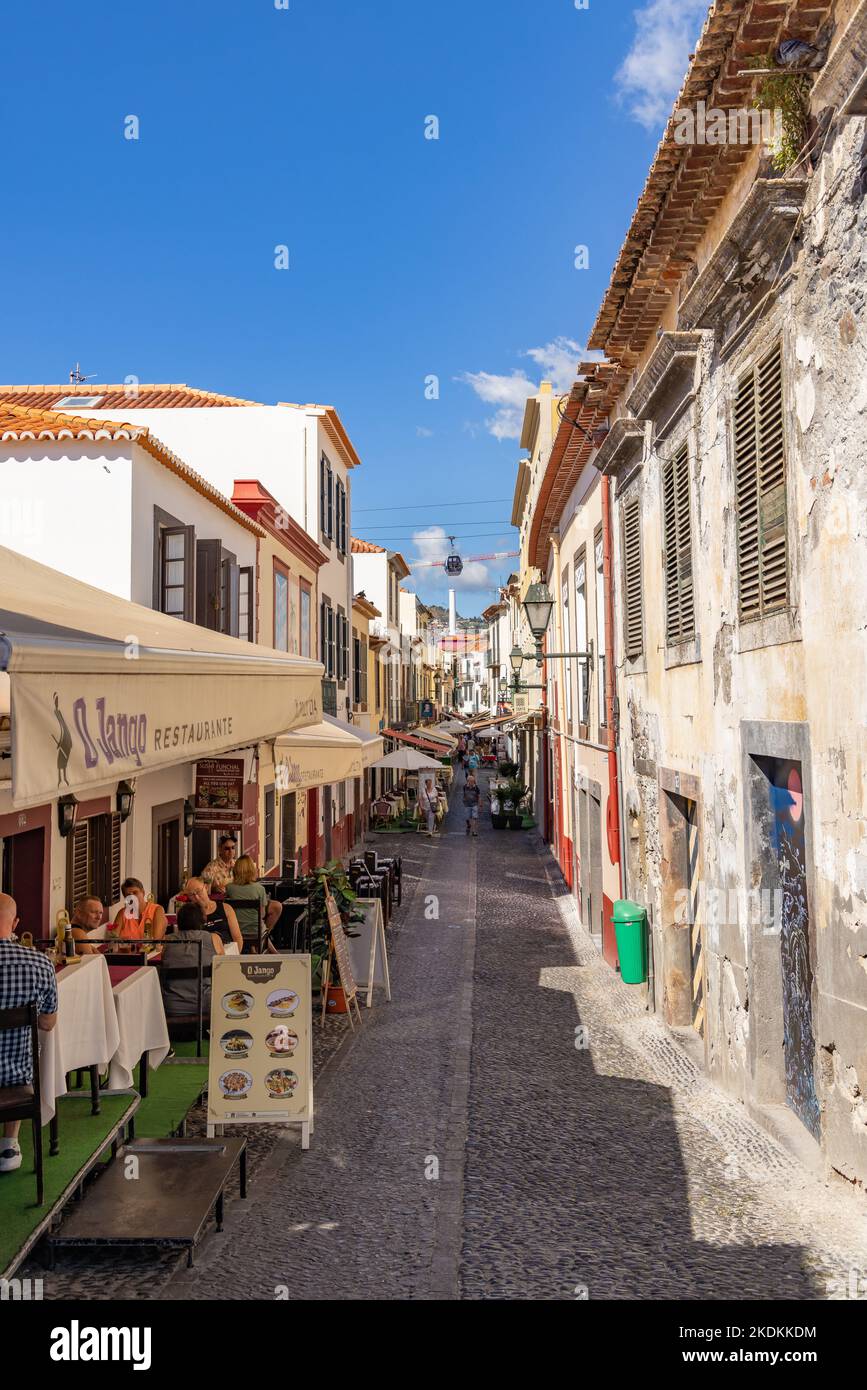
(690,717)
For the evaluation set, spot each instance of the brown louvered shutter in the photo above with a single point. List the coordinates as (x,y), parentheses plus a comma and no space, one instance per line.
(114,879)
(632,579)
(77,876)
(677,533)
(760,489)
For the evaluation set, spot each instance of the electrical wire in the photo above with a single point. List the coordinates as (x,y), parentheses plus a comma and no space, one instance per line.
(425,506)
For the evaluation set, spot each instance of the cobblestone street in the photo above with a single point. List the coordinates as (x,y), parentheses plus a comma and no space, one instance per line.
(616,1169)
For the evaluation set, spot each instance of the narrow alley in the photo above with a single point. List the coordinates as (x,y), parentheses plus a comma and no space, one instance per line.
(469,1145)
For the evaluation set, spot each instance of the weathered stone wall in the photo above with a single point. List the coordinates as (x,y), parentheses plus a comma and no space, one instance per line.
(807,678)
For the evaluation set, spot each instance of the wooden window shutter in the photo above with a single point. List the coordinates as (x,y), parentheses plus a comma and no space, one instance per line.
(77,865)
(208,584)
(323,636)
(633,633)
(323,514)
(115,875)
(677,538)
(760,489)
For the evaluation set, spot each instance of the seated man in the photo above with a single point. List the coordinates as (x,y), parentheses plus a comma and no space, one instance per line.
(86,918)
(26,977)
(218,872)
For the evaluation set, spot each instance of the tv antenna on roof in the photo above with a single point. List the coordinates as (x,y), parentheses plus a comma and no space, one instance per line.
(76,377)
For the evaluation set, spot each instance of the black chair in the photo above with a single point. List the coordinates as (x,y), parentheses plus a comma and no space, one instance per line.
(25,1102)
(185,972)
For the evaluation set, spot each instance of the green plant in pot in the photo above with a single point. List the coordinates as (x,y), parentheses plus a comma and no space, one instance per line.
(499,820)
(507,769)
(329,878)
(516,793)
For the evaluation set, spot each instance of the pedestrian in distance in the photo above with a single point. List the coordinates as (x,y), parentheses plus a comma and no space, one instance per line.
(472,800)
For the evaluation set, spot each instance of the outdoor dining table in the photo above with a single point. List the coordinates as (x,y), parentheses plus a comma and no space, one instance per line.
(141,1024)
(86,1033)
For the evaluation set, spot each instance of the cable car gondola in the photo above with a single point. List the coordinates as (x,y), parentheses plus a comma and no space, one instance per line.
(453,563)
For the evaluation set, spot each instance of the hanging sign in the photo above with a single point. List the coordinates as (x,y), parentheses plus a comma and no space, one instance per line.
(218,799)
(260,1069)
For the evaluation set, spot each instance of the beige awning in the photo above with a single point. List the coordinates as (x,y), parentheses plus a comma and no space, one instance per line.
(372,745)
(315,755)
(102,689)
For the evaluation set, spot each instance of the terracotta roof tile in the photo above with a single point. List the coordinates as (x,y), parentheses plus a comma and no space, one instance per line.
(119,397)
(360,547)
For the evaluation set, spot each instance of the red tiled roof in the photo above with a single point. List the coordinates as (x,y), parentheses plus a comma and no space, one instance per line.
(366,547)
(687,183)
(119,397)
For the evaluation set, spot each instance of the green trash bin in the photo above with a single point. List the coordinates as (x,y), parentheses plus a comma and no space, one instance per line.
(630,930)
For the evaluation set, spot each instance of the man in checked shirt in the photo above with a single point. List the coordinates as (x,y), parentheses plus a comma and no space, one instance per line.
(26,977)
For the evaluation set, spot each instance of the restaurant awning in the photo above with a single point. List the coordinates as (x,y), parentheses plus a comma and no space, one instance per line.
(316,755)
(372,745)
(100,689)
(416,741)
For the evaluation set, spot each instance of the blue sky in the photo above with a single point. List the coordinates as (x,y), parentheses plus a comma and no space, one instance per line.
(408,257)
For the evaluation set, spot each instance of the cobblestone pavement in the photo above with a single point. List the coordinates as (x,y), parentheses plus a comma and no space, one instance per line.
(615,1168)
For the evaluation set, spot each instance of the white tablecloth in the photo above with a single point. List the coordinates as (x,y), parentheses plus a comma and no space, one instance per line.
(141,1023)
(86,1032)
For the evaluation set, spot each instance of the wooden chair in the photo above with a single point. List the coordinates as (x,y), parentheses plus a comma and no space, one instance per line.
(25,1102)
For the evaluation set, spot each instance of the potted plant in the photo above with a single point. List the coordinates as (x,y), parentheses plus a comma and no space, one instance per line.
(498,814)
(507,769)
(330,878)
(517,792)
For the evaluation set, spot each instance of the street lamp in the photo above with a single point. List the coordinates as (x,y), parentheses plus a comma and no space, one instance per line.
(516,659)
(538,606)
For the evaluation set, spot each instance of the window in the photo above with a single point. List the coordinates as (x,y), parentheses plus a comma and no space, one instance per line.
(581,638)
(270,828)
(327,642)
(93,860)
(760,490)
(677,553)
(340,519)
(326,498)
(342,647)
(230,588)
(633,622)
(356,668)
(281,607)
(600,622)
(246,603)
(172,571)
(77,403)
(567,639)
(305,646)
(174,566)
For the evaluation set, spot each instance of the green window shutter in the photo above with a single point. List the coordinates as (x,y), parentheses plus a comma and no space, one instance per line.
(677,556)
(760,489)
(633,634)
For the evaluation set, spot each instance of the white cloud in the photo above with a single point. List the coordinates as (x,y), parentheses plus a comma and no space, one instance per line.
(653,70)
(423,433)
(432,543)
(557,361)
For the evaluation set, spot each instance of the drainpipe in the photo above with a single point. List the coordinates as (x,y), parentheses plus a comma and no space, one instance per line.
(612,815)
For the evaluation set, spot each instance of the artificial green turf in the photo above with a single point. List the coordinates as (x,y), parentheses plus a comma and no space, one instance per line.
(188,1049)
(173,1090)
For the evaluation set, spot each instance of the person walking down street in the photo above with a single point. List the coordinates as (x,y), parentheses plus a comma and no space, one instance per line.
(472,799)
(427,805)
(473,762)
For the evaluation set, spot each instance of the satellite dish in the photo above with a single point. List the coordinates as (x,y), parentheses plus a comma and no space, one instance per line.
(453,564)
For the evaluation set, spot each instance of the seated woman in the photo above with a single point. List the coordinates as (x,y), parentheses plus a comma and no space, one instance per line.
(219,916)
(249,897)
(181,996)
(137,918)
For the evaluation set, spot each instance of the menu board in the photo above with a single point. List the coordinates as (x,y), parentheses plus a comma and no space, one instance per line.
(261,1066)
(219,794)
(340,946)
